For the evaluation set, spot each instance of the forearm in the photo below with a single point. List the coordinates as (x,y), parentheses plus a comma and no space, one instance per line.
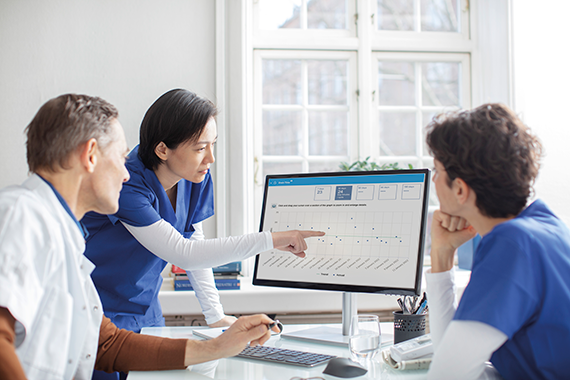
(122,350)
(167,243)
(442,302)
(202,281)
(464,351)
(442,260)
(205,289)
(10,367)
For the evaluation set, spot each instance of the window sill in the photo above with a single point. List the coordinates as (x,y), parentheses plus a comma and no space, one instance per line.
(260,299)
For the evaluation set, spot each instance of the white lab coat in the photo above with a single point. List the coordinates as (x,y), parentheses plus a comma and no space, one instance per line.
(45,283)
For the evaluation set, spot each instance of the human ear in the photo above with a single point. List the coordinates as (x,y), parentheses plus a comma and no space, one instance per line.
(161,151)
(88,155)
(461,190)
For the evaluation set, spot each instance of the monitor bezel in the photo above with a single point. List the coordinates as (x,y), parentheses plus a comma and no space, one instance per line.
(415,290)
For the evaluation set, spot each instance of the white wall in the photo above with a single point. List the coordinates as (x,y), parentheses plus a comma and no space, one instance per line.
(128,52)
(542,91)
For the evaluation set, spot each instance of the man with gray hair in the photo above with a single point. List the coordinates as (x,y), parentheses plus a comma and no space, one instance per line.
(51,320)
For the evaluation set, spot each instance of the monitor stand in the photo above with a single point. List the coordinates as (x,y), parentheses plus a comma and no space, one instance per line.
(330,335)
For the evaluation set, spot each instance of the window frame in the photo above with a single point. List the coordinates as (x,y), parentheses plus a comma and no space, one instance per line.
(420,157)
(490,49)
(292,38)
(304,157)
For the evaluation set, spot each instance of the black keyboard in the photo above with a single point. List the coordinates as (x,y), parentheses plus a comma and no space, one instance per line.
(285,356)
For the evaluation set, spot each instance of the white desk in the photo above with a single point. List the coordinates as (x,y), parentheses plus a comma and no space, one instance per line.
(245,369)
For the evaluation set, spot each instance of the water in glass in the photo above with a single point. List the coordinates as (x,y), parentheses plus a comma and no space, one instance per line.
(364,340)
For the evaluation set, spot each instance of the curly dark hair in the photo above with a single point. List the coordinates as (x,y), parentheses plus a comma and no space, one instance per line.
(491,150)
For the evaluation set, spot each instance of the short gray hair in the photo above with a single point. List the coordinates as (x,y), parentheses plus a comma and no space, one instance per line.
(64,123)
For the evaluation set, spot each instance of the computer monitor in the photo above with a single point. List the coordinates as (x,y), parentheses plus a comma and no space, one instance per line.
(375,223)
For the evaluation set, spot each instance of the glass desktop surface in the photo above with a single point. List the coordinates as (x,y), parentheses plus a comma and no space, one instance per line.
(245,369)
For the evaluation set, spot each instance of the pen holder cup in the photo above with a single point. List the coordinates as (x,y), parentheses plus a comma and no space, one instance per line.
(408,326)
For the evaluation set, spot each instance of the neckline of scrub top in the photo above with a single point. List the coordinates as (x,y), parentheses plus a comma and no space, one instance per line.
(188,211)
(66,207)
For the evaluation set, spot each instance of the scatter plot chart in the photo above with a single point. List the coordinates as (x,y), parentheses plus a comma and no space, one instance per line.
(352,234)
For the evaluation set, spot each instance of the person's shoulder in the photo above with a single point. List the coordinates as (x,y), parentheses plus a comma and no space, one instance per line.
(532,229)
(28,214)
(26,196)
(142,181)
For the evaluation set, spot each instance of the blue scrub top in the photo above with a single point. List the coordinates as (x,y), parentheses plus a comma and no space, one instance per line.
(520,284)
(127,275)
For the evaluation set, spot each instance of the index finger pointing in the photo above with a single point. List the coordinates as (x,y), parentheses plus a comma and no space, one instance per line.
(308,233)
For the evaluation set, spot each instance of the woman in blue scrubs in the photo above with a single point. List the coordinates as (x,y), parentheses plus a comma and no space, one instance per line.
(161,209)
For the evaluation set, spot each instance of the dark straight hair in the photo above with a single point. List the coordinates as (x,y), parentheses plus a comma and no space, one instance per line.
(174,118)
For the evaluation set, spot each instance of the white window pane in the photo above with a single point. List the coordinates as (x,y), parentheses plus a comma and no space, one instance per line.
(397,133)
(281,132)
(440,15)
(433,199)
(395,14)
(328,133)
(396,83)
(281,81)
(326,14)
(327,81)
(281,168)
(319,167)
(279,14)
(440,83)
(427,117)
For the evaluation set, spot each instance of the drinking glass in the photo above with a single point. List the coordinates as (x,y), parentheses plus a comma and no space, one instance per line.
(364,341)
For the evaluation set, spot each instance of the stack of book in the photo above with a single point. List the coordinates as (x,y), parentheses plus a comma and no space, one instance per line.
(226,277)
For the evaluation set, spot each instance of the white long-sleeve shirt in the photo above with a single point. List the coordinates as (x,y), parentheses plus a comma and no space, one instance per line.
(198,255)
(462,349)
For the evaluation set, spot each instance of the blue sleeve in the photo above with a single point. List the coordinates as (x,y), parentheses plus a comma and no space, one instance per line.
(502,291)
(138,206)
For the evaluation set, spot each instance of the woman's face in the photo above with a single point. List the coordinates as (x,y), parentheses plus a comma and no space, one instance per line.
(191,160)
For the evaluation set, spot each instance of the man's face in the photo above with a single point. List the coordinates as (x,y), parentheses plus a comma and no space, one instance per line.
(110,172)
(444,193)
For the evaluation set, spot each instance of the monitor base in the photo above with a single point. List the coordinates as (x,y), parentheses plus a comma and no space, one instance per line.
(328,335)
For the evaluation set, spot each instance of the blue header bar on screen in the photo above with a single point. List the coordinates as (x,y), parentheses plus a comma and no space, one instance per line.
(341,180)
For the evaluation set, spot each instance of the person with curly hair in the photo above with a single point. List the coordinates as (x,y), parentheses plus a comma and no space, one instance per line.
(514,312)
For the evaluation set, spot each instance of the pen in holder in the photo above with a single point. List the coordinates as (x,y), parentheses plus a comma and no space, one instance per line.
(408,326)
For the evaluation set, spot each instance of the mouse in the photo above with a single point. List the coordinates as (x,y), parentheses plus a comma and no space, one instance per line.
(344,367)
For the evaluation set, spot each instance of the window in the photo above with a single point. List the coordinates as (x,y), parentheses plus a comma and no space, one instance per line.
(306,109)
(342,80)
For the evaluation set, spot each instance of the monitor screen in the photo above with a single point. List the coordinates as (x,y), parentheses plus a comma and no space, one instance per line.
(374,222)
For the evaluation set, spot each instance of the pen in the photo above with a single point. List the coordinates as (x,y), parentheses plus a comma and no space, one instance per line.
(413,304)
(422,307)
(403,306)
(424,298)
